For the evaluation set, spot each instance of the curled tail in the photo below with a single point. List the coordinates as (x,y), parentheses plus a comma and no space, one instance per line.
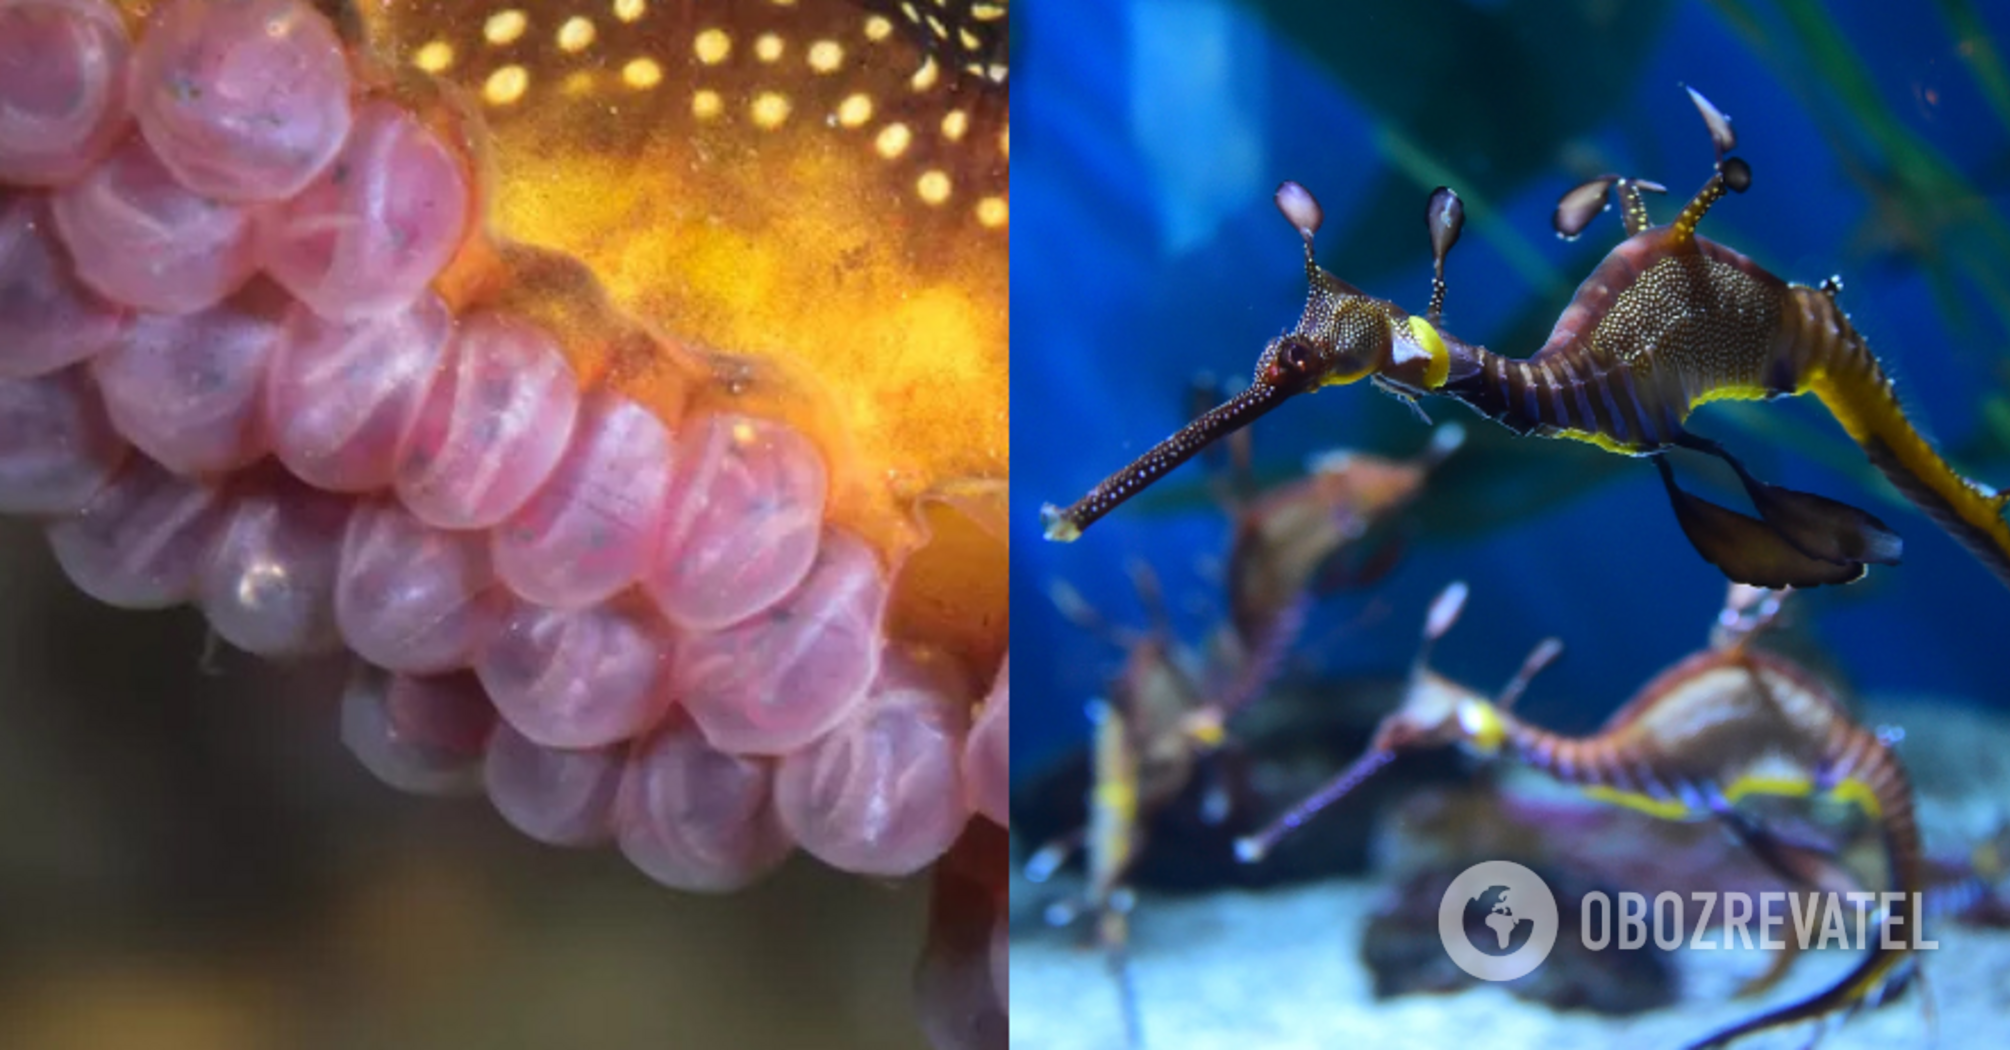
(1865,985)
(1884,971)
(1839,369)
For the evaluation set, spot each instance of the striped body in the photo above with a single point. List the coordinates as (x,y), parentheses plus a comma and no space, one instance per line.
(1667,324)
(1723,725)
(1656,330)
(1727,724)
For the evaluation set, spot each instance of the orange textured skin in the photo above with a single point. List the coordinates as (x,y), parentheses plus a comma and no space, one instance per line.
(695,251)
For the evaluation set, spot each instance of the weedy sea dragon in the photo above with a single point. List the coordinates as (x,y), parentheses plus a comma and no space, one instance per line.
(1667,322)
(1728,722)
(1165,718)
(1149,737)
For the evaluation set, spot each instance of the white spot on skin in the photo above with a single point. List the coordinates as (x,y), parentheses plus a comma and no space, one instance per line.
(1470,718)
(1403,351)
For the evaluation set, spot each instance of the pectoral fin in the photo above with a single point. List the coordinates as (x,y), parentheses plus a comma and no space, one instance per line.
(1824,528)
(1746,549)
(1817,526)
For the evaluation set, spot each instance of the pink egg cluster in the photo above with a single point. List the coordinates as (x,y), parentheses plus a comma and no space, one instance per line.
(225,379)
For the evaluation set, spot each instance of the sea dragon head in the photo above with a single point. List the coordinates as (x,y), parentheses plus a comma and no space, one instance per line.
(1436,711)
(1343,336)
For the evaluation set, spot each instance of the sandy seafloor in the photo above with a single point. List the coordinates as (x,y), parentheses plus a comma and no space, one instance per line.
(1282,969)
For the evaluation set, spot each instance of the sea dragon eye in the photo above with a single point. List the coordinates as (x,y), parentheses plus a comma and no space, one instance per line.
(1293,364)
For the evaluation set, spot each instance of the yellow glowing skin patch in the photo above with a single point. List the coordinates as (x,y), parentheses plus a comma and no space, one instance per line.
(893,140)
(506,86)
(1852,791)
(712,46)
(1441,359)
(575,35)
(933,186)
(1209,733)
(854,111)
(825,56)
(1664,809)
(642,74)
(770,109)
(744,183)
(1482,725)
(505,27)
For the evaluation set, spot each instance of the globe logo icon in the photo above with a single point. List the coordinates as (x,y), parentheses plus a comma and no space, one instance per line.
(1491,924)
(1498,920)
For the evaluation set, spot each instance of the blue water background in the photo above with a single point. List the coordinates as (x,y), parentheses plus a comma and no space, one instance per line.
(1145,248)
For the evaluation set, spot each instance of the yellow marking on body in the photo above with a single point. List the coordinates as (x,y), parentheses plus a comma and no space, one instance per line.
(1208,732)
(1482,724)
(855,110)
(707,105)
(1663,809)
(993,212)
(1427,337)
(1117,798)
(1786,787)
(1869,411)
(575,35)
(630,10)
(506,86)
(825,56)
(642,74)
(1592,437)
(505,27)
(893,140)
(1731,392)
(768,47)
(712,46)
(434,57)
(770,109)
(933,186)
(1859,793)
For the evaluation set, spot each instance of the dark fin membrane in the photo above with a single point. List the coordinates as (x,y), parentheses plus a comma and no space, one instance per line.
(1721,133)
(1581,205)
(1824,528)
(1746,549)
(1819,526)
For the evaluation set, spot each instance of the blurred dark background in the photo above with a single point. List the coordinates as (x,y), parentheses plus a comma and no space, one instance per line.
(190,859)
